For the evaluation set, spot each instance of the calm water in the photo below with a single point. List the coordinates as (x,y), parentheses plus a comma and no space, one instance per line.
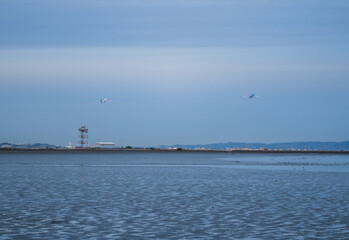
(173,196)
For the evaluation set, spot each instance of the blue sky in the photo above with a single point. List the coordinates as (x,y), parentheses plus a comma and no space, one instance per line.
(176,71)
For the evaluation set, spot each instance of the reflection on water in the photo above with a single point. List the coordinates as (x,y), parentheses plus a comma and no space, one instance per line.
(173,196)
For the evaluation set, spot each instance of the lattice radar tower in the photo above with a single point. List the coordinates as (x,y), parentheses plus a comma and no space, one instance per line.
(83,136)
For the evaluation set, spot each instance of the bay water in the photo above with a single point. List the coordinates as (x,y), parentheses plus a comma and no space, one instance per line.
(157,195)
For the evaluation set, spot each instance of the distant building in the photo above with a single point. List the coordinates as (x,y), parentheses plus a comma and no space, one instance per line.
(5,145)
(105,145)
(70,146)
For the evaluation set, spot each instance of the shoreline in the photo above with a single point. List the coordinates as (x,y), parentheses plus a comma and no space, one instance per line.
(156,150)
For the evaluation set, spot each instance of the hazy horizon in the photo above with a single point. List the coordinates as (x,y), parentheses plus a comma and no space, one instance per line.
(176,71)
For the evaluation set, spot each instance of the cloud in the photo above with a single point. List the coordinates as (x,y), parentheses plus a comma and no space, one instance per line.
(163,66)
(155,23)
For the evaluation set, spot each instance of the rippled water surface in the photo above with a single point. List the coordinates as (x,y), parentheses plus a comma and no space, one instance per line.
(173,196)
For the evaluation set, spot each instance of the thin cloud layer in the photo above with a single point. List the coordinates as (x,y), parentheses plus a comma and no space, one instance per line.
(153,23)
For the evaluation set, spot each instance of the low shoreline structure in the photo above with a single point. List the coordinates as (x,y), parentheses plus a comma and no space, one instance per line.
(160,150)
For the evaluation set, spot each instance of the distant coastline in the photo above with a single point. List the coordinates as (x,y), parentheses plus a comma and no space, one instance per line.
(228,146)
(159,150)
(298,146)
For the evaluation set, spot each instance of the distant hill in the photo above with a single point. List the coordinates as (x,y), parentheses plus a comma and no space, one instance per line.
(25,146)
(284,146)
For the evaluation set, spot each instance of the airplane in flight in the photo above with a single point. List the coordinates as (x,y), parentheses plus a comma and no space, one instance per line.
(251,96)
(105,100)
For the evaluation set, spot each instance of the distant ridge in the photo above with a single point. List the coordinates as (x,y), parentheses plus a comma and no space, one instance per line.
(24,146)
(334,146)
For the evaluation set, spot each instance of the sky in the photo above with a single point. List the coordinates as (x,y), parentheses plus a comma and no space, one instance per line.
(176,71)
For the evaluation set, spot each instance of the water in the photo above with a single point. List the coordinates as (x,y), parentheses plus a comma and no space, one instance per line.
(173,196)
